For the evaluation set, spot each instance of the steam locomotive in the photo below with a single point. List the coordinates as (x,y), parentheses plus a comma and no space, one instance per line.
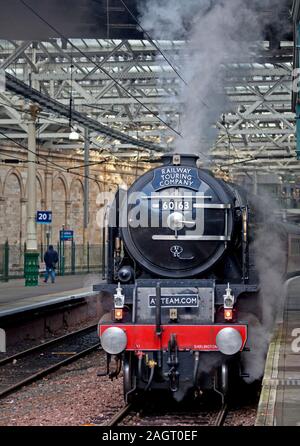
(179,264)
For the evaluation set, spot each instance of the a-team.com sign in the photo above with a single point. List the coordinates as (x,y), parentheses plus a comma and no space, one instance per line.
(2,341)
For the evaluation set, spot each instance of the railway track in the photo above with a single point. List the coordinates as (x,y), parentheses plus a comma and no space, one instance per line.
(25,367)
(221,415)
(200,418)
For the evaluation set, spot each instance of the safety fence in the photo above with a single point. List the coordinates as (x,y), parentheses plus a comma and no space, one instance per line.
(73,259)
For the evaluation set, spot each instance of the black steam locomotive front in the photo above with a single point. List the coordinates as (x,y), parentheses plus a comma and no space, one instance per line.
(177,264)
(189,221)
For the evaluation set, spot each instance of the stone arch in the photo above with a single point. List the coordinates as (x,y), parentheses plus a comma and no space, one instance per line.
(59,206)
(99,184)
(17,174)
(96,187)
(63,179)
(41,186)
(76,209)
(74,181)
(12,216)
(94,232)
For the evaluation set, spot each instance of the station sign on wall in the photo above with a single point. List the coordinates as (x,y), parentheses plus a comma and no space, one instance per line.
(44,217)
(66,234)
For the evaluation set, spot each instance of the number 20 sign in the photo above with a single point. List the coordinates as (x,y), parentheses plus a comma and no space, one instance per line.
(44,217)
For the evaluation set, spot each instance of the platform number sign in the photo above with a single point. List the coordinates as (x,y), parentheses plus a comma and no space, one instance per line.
(44,217)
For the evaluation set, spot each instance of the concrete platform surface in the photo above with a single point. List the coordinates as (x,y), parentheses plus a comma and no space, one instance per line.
(14,296)
(280,397)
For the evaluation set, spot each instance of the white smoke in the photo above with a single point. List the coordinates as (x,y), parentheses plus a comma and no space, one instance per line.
(218,34)
(269,248)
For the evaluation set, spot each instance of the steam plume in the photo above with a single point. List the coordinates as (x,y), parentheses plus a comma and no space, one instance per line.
(218,34)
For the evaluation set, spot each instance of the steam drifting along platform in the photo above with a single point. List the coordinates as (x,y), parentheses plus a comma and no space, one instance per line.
(280,397)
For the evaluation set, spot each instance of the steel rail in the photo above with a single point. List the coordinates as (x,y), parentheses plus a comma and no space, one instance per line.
(40,347)
(221,416)
(119,416)
(47,370)
(123,412)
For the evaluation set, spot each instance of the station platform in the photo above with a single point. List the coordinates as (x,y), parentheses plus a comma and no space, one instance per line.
(280,397)
(15,297)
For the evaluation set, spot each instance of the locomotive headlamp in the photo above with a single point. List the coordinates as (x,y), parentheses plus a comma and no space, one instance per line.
(228,314)
(119,298)
(229,341)
(125,274)
(118,314)
(113,340)
(228,298)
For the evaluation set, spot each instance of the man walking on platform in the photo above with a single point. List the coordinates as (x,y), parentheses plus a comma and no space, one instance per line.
(50,259)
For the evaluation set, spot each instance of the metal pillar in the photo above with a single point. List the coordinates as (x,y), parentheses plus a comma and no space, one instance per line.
(6,262)
(62,251)
(86,175)
(48,204)
(297,63)
(48,236)
(254,182)
(86,186)
(31,255)
(298,129)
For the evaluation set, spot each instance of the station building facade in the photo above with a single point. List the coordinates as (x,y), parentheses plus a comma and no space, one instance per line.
(60,189)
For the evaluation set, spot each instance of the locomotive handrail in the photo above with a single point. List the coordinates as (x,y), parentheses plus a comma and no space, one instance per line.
(211,206)
(210,238)
(174,197)
(222,238)
(195,205)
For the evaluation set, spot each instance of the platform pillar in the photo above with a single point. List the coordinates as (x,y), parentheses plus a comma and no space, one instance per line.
(86,184)
(31,260)
(254,182)
(297,94)
(298,131)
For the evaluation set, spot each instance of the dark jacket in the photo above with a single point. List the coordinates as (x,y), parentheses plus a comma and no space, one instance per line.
(50,258)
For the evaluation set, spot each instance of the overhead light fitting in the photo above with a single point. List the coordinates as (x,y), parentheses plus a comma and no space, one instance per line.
(74,135)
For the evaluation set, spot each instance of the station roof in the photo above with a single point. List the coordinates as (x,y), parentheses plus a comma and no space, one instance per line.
(123,90)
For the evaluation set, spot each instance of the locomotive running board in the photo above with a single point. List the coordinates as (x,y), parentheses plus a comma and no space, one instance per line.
(142,337)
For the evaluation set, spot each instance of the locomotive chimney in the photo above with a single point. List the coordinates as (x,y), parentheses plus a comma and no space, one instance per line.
(179,159)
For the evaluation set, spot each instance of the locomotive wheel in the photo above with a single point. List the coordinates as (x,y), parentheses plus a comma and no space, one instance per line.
(229,378)
(128,379)
(223,380)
